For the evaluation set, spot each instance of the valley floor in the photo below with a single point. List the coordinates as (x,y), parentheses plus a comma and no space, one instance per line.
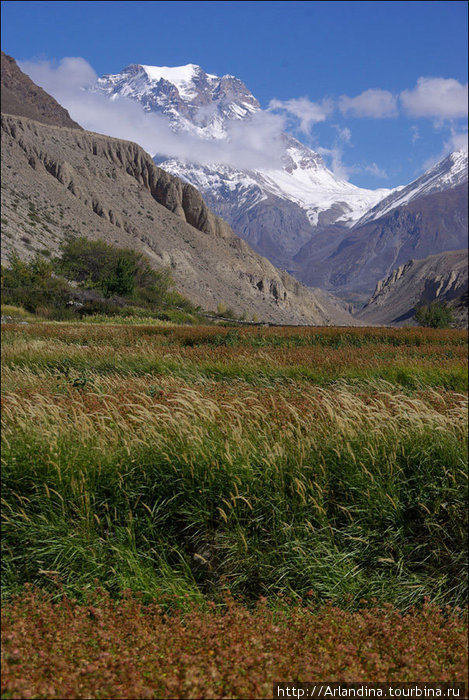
(202,511)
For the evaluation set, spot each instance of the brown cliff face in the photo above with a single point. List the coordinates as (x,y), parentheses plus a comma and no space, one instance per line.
(442,277)
(58,182)
(23,98)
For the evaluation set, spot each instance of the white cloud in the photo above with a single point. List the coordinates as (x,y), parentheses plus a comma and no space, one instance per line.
(249,144)
(345,134)
(458,141)
(414,130)
(375,170)
(438,98)
(342,171)
(371,103)
(335,153)
(70,74)
(308,113)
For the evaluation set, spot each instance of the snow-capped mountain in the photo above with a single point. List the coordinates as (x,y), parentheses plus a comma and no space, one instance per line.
(304,179)
(192,100)
(207,105)
(426,218)
(293,209)
(446,174)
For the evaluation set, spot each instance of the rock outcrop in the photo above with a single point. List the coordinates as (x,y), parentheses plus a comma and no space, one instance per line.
(442,277)
(22,97)
(59,182)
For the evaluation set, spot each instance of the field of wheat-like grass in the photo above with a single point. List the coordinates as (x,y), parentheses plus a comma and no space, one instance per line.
(186,464)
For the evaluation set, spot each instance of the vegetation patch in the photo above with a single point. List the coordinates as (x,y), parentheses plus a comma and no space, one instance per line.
(436,315)
(135,459)
(200,511)
(123,649)
(89,278)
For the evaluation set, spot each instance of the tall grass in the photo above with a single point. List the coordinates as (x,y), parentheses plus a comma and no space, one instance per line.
(258,356)
(341,493)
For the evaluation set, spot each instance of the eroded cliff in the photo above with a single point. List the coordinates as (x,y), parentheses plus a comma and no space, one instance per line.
(58,182)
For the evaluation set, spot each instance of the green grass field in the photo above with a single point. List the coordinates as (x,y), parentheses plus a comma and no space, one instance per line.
(186,464)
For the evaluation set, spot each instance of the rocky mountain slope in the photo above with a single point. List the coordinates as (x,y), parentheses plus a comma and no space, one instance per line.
(442,277)
(276,209)
(353,264)
(324,231)
(59,181)
(24,98)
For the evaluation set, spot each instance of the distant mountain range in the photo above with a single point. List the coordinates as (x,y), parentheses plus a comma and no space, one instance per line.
(324,230)
(353,263)
(59,180)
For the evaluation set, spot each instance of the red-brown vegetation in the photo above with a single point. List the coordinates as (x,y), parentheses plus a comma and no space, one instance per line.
(106,649)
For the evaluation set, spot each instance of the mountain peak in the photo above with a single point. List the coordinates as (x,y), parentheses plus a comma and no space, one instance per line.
(459,159)
(206,106)
(181,76)
(192,99)
(449,172)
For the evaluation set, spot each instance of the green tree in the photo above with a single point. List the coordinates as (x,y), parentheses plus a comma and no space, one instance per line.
(33,284)
(120,271)
(121,279)
(435,315)
(86,261)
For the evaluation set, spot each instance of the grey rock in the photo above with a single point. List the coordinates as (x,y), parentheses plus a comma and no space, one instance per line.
(442,277)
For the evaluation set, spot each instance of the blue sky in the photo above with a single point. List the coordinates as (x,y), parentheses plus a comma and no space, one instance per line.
(377,87)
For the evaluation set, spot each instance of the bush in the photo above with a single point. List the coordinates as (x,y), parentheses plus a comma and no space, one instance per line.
(436,315)
(121,280)
(85,261)
(33,284)
(114,271)
(109,278)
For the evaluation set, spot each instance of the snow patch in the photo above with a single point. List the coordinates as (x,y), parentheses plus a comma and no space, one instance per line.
(180,76)
(450,172)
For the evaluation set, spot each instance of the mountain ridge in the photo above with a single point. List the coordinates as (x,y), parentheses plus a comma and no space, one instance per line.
(301,216)
(449,172)
(442,277)
(61,181)
(24,98)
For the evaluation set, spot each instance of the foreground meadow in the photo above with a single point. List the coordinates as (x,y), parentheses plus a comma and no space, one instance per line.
(296,466)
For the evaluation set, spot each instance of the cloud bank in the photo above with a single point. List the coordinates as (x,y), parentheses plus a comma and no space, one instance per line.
(375,103)
(257,143)
(251,145)
(438,98)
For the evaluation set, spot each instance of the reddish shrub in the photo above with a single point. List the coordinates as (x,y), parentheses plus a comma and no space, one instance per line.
(120,650)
